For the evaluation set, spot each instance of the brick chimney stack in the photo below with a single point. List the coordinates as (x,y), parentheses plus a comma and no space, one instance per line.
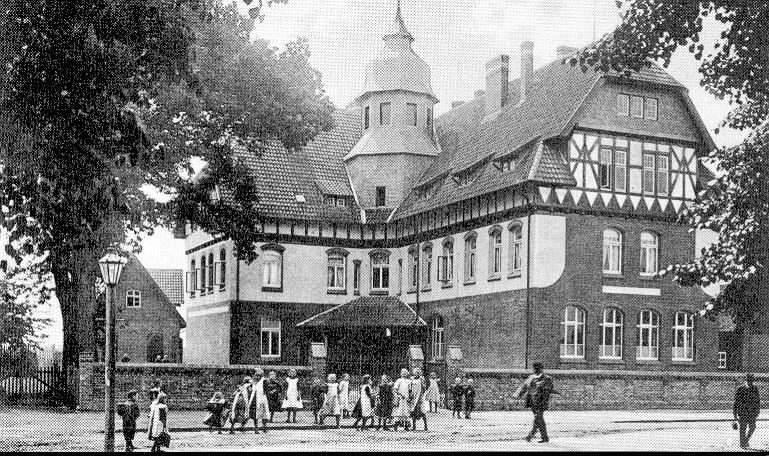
(527,68)
(497,83)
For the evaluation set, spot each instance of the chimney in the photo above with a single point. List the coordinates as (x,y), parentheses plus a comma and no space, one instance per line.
(479,93)
(497,83)
(455,104)
(527,69)
(565,51)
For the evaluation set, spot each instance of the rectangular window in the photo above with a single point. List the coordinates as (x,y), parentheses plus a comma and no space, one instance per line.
(366,117)
(470,245)
(663,174)
(649,173)
(271,338)
(683,337)
(356,277)
(430,122)
(623,105)
(427,268)
(381,197)
(336,273)
(384,113)
(604,169)
(413,271)
(271,272)
(133,298)
(380,273)
(411,114)
(620,170)
(648,336)
(722,360)
(651,109)
(637,107)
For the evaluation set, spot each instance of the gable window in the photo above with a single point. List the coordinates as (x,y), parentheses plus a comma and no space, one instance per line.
(380,271)
(437,337)
(272,268)
(683,337)
(620,170)
(446,262)
(222,269)
(495,252)
(337,270)
(612,252)
(649,173)
(623,105)
(133,298)
(604,169)
(427,266)
(192,279)
(662,174)
(611,334)
(356,276)
(270,338)
(649,254)
(651,109)
(366,118)
(637,107)
(381,199)
(411,114)
(573,333)
(648,335)
(384,113)
(516,249)
(470,246)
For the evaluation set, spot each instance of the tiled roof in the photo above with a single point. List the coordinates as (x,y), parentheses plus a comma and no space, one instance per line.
(171,281)
(367,311)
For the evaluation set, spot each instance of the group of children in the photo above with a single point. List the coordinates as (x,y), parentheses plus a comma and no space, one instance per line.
(462,393)
(157,429)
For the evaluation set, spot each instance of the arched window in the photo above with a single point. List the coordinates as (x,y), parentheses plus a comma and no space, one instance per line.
(337,270)
(272,267)
(154,348)
(427,265)
(413,268)
(222,269)
(611,334)
(192,279)
(437,337)
(470,254)
(211,272)
(133,298)
(495,252)
(612,251)
(649,253)
(648,335)
(203,275)
(446,262)
(516,249)
(573,333)
(380,271)
(683,337)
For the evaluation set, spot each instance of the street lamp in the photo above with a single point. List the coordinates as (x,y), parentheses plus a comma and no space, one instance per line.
(111,266)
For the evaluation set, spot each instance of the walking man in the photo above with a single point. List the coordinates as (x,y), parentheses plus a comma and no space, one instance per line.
(747,406)
(537,390)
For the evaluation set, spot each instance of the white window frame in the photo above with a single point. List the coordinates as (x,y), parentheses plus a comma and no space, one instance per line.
(471,248)
(649,102)
(427,266)
(571,347)
(604,169)
(192,279)
(620,170)
(437,336)
(222,269)
(270,327)
(272,268)
(336,273)
(623,105)
(649,173)
(446,263)
(203,282)
(640,113)
(516,249)
(413,270)
(648,346)
(663,174)
(612,334)
(380,263)
(684,352)
(495,250)
(614,250)
(649,254)
(722,360)
(135,296)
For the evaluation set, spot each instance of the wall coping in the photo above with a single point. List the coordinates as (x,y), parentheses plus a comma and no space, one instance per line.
(616,373)
(178,366)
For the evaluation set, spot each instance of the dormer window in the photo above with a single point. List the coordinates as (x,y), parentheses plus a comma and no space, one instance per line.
(336,201)
(467,177)
(381,197)
(507,164)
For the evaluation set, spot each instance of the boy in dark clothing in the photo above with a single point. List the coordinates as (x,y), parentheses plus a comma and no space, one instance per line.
(469,397)
(129,411)
(747,406)
(537,389)
(318,393)
(457,393)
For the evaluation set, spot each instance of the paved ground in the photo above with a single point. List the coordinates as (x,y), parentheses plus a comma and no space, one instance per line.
(27,429)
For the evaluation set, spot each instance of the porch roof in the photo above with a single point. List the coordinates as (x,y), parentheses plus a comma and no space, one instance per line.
(367,311)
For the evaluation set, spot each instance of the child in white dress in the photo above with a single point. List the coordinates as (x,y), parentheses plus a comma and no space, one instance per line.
(364,408)
(331,405)
(433,394)
(293,400)
(344,395)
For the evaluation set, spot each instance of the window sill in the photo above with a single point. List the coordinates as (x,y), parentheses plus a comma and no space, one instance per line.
(447,285)
(270,357)
(652,362)
(336,292)
(573,360)
(273,289)
(427,288)
(379,293)
(683,362)
(411,291)
(470,282)
(514,275)
(613,276)
(611,361)
(494,278)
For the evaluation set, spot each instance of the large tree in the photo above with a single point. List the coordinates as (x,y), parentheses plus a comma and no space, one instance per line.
(108,98)
(733,204)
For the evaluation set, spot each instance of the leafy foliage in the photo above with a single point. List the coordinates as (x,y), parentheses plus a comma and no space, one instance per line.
(736,69)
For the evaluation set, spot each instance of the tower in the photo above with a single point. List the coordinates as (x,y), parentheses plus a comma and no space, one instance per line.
(397,120)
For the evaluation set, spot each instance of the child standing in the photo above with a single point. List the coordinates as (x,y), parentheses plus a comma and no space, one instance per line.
(239,410)
(274,391)
(433,394)
(158,424)
(344,395)
(293,399)
(331,405)
(469,397)
(259,406)
(216,412)
(457,393)
(417,400)
(129,411)
(318,393)
(364,408)
(384,406)
(402,407)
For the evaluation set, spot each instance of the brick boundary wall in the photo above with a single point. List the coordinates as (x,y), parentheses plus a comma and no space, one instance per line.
(189,387)
(616,390)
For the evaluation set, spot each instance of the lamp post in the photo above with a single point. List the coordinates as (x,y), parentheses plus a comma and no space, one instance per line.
(111,266)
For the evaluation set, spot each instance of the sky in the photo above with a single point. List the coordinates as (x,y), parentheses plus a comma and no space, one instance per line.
(456,38)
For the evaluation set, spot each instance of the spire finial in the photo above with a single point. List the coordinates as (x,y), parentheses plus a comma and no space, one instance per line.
(399,26)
